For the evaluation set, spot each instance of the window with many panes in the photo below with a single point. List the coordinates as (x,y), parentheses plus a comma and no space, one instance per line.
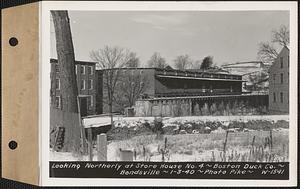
(82,69)
(82,84)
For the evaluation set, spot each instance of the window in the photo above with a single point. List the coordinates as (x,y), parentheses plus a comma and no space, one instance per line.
(281,97)
(281,78)
(57,102)
(90,70)
(57,84)
(90,101)
(274,77)
(56,68)
(90,84)
(274,97)
(82,84)
(281,62)
(82,70)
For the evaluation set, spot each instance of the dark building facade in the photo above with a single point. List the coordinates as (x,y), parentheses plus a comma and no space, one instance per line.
(279,83)
(86,84)
(178,83)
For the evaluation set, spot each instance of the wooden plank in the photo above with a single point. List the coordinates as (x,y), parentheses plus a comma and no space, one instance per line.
(20,93)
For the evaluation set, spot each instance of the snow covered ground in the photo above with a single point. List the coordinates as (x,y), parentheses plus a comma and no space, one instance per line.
(120,121)
(134,121)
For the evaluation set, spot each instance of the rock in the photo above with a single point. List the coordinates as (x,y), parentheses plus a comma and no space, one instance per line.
(182,132)
(207,130)
(231,130)
(219,130)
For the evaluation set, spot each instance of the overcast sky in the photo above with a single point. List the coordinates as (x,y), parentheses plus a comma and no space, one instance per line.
(226,35)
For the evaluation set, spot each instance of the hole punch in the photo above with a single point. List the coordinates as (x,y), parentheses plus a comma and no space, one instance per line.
(13,145)
(13,41)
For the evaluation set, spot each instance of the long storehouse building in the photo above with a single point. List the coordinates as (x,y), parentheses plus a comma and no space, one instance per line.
(165,86)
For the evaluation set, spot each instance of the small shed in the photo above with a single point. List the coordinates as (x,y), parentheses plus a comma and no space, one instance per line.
(97,125)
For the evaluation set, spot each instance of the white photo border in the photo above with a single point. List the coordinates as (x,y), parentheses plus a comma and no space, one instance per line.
(44,87)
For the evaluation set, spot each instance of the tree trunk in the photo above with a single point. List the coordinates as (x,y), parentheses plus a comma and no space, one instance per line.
(68,83)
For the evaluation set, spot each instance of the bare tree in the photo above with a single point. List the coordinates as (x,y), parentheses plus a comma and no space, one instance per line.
(207,63)
(183,62)
(157,61)
(110,59)
(281,36)
(68,84)
(133,62)
(267,51)
(196,64)
(131,86)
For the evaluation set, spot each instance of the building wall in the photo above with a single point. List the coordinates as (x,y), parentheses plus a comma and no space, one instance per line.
(187,87)
(278,87)
(210,105)
(86,92)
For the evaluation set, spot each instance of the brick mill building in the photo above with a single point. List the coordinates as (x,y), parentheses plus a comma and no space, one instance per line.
(86,84)
(279,83)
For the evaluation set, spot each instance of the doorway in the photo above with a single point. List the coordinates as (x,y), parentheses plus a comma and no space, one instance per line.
(83,106)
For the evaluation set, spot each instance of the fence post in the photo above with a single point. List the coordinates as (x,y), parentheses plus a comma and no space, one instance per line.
(102,147)
(90,143)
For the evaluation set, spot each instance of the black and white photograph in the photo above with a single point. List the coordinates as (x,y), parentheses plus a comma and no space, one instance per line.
(167,87)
